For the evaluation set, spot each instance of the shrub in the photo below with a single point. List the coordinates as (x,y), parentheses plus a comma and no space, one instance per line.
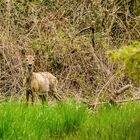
(129,56)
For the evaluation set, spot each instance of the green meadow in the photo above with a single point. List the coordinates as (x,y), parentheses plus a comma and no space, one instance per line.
(69,120)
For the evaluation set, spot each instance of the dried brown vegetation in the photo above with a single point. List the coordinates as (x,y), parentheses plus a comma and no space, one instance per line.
(54,32)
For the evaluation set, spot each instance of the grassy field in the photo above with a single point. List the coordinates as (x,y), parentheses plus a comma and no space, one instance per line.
(69,121)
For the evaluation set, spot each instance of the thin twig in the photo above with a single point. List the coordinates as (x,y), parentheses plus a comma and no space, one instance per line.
(107,83)
(123,89)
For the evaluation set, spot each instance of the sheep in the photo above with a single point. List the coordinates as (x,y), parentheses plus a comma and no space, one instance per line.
(39,83)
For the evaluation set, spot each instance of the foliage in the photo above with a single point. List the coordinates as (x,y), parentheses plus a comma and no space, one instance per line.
(53,31)
(68,120)
(129,56)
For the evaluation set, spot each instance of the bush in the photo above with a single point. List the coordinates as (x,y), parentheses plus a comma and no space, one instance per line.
(129,56)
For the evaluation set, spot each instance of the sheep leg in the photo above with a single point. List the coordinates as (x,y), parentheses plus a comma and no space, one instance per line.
(56,96)
(43,98)
(27,96)
(33,99)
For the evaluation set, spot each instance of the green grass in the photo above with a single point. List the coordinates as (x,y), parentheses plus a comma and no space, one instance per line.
(69,121)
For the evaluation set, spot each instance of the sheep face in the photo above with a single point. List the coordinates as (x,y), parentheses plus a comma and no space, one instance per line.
(30,62)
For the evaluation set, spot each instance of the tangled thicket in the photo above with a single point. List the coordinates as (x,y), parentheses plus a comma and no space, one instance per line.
(54,32)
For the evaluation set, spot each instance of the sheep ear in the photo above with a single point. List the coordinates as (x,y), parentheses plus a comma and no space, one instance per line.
(23,52)
(33,57)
